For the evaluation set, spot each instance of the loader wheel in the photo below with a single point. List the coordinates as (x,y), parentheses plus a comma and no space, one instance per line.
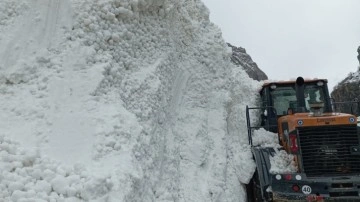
(253,190)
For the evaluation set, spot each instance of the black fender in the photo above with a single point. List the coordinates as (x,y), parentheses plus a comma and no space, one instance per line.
(262,161)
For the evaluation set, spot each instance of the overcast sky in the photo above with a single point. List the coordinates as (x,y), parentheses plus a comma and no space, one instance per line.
(293,38)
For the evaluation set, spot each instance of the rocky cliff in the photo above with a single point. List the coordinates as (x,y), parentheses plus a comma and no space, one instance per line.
(347,90)
(240,57)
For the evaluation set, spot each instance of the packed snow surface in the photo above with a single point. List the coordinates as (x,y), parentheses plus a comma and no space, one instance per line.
(120,100)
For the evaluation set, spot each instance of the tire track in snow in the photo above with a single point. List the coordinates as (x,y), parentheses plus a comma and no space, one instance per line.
(167,131)
(51,22)
(53,19)
(161,176)
(36,31)
(12,45)
(22,43)
(190,141)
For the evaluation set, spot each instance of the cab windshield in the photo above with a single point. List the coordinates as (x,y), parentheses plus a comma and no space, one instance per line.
(284,98)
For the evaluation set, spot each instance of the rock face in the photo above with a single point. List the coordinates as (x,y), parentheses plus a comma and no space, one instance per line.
(240,57)
(347,90)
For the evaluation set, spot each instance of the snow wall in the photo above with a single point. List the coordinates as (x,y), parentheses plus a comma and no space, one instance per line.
(120,100)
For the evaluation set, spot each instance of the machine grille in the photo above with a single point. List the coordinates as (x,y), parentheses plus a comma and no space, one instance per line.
(327,150)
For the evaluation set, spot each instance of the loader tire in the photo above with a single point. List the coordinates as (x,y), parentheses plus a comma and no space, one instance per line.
(253,191)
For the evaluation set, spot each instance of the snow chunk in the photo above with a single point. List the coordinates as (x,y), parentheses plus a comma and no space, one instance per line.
(282,162)
(96,187)
(59,184)
(15,186)
(264,138)
(43,186)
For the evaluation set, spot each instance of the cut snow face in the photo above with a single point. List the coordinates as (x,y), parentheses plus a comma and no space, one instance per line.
(120,100)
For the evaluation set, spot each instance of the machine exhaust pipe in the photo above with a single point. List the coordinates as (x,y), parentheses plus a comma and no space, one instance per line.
(299,87)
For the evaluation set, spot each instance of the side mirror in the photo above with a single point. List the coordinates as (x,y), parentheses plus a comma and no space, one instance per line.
(332,103)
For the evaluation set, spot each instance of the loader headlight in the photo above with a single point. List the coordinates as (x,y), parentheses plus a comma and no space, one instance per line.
(320,83)
(352,120)
(278,177)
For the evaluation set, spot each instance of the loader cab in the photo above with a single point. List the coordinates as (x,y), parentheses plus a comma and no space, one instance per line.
(289,97)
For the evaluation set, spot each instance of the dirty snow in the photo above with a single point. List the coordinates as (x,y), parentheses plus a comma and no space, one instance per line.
(120,100)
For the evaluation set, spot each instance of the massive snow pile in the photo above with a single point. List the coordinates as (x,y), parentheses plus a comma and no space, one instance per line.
(120,100)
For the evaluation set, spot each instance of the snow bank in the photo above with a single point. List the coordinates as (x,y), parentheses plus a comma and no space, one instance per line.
(122,100)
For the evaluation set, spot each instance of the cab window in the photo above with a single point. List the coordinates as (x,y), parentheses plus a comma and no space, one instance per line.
(283,98)
(314,94)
